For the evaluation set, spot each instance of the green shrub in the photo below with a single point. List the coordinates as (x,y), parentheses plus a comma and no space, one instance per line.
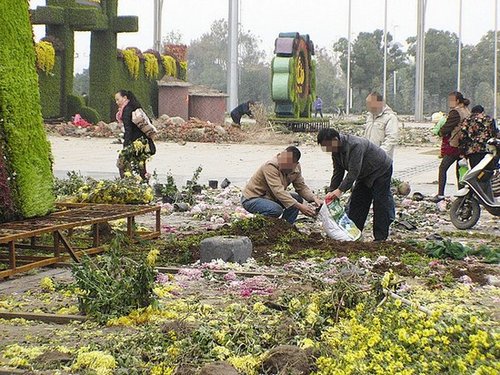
(75,104)
(90,114)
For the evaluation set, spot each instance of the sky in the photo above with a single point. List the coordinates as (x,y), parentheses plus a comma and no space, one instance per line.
(324,20)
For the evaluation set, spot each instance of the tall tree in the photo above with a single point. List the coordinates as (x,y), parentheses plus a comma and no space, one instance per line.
(477,71)
(329,85)
(207,63)
(440,69)
(367,62)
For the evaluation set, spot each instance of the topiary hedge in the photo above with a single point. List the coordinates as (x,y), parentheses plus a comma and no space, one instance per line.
(75,104)
(50,91)
(90,114)
(25,150)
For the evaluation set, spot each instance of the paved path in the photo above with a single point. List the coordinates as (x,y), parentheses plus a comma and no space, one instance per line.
(96,157)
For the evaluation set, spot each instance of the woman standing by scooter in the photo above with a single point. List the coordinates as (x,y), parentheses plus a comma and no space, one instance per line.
(476,130)
(450,133)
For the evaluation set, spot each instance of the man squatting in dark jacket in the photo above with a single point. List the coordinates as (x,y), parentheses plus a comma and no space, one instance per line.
(369,169)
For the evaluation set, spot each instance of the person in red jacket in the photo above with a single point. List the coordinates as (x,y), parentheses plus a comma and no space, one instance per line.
(449,131)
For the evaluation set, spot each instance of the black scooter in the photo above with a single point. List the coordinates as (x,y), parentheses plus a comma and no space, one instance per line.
(465,210)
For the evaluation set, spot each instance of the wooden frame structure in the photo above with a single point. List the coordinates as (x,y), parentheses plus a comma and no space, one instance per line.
(69,217)
(302,124)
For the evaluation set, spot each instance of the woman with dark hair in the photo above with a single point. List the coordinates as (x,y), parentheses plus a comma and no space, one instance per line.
(137,147)
(450,133)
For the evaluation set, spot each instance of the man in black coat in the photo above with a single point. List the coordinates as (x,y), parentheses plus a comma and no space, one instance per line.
(369,169)
(240,111)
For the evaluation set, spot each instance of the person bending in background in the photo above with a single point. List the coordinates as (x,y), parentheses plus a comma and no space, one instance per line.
(240,111)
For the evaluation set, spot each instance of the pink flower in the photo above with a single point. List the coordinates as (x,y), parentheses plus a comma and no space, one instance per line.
(230,276)
(191,273)
(162,278)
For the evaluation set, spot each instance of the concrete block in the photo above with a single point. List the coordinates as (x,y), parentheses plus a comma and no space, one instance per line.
(228,248)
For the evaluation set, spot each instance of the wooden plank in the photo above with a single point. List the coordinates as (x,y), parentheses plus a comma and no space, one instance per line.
(12,371)
(57,241)
(12,255)
(130,227)
(68,247)
(29,267)
(43,317)
(134,212)
(158,220)
(96,240)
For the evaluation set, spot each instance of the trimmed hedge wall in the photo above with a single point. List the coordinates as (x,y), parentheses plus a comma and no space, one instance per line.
(145,89)
(23,141)
(50,91)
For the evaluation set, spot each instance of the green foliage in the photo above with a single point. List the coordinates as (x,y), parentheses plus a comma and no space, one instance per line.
(75,104)
(456,250)
(23,140)
(112,285)
(90,114)
(189,189)
(169,189)
(64,187)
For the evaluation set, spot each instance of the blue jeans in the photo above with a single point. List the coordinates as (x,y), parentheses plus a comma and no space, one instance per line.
(271,208)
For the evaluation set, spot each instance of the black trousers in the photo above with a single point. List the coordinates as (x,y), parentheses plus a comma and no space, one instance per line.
(446,163)
(380,195)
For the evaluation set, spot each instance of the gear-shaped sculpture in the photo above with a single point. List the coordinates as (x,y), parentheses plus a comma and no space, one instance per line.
(293,84)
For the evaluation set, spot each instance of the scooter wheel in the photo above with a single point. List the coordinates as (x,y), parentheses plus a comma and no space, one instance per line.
(465,212)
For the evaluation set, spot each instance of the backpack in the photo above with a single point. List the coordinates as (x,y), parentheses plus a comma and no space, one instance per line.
(456,132)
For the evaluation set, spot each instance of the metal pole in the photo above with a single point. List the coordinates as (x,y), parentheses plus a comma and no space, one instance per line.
(495,63)
(348,82)
(394,86)
(158,6)
(459,65)
(232,62)
(419,62)
(385,52)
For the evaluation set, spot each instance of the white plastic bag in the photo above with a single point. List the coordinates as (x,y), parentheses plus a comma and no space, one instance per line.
(337,224)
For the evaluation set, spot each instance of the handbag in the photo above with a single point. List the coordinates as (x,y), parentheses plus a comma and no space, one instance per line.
(141,119)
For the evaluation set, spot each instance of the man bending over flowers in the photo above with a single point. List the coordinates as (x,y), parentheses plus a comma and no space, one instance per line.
(266,192)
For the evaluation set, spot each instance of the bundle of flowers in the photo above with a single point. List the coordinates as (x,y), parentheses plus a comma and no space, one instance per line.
(128,190)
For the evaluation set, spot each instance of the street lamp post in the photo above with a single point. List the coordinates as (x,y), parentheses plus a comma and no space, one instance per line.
(232,61)
(419,61)
(495,63)
(459,64)
(385,52)
(348,82)
(158,6)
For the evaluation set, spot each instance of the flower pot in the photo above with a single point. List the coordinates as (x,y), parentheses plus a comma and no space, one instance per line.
(213,184)
(197,189)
